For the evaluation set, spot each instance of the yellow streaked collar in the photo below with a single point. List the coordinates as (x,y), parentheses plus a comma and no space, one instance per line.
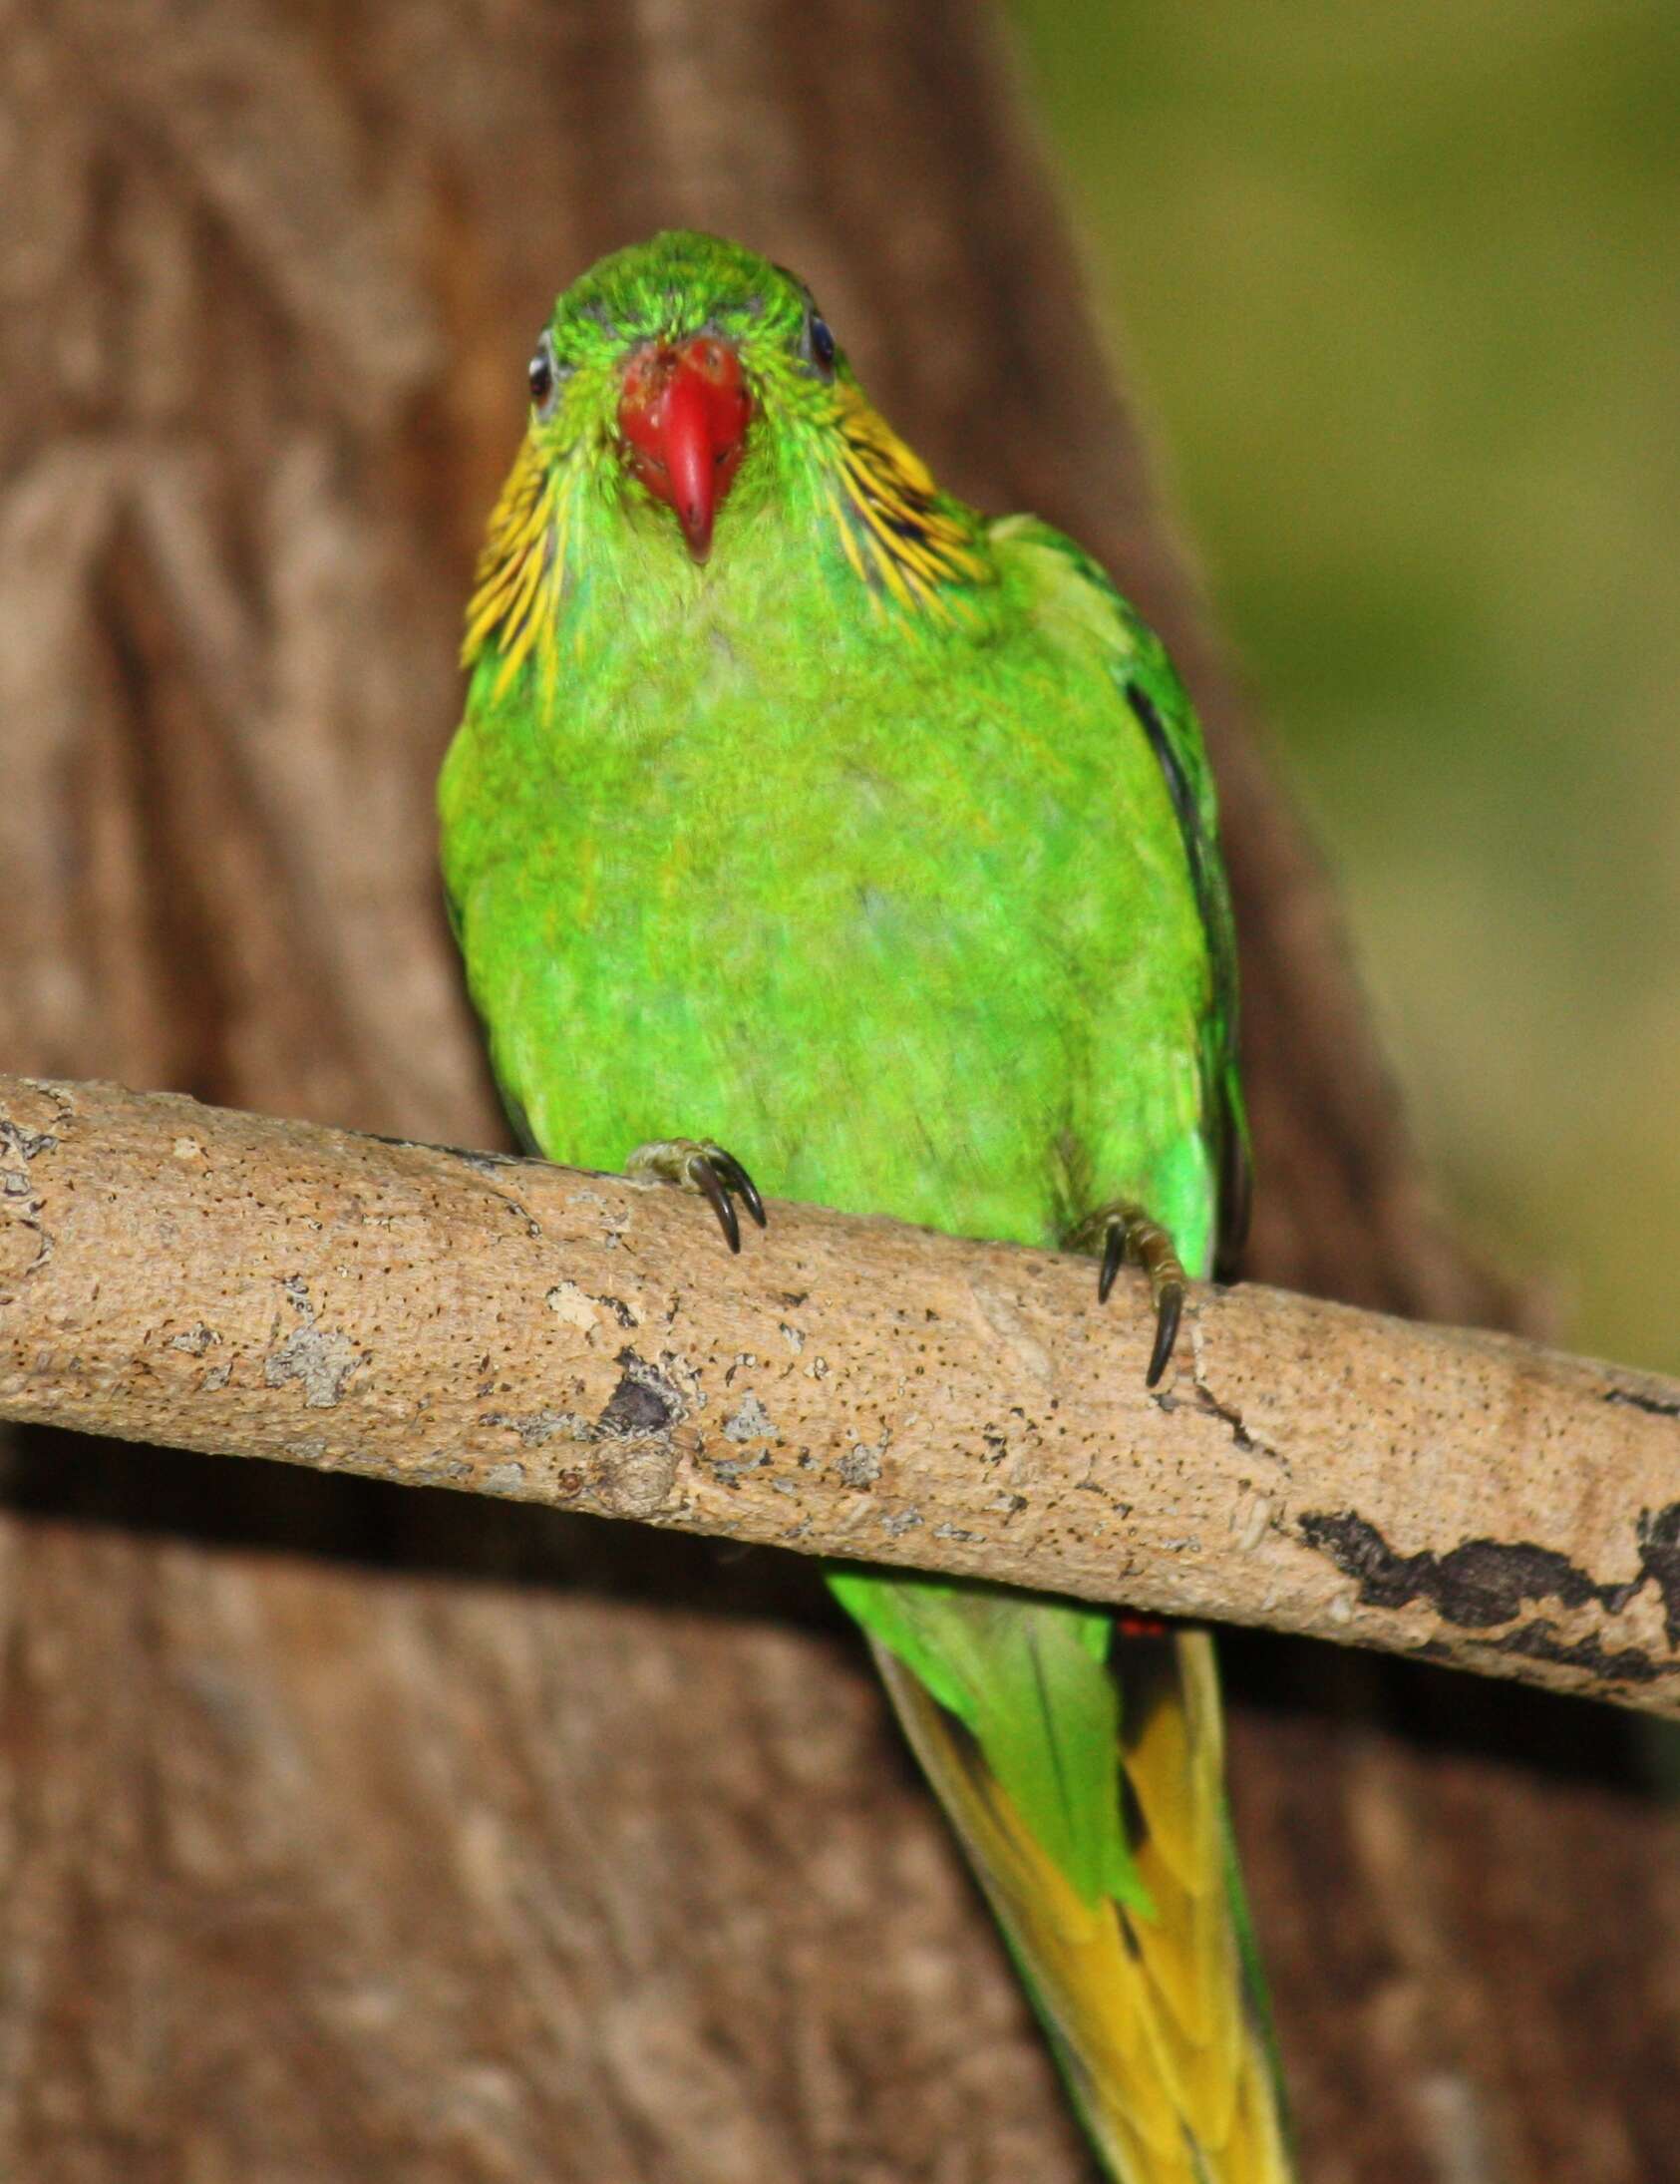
(897,534)
(901,541)
(522,570)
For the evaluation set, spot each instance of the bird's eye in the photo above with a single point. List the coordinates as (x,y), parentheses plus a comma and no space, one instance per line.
(819,342)
(544,377)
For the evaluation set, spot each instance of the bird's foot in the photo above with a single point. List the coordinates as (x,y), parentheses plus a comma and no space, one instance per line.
(696,1164)
(1125,1234)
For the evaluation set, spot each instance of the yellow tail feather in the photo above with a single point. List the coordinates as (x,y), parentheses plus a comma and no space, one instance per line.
(1149,2015)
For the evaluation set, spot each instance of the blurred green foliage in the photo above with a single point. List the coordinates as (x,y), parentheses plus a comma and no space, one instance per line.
(1399,288)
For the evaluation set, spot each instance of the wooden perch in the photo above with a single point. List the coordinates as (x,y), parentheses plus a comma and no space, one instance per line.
(225,1282)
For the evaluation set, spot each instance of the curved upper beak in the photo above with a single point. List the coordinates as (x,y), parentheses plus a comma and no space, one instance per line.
(683,412)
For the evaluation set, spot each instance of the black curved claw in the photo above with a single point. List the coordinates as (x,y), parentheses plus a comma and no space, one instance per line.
(722,1180)
(735,1178)
(1114,1257)
(1171,1304)
(704,1168)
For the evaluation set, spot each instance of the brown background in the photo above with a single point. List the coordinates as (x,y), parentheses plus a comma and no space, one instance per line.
(351,1835)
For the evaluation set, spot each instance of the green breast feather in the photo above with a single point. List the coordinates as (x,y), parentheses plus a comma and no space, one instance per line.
(808,864)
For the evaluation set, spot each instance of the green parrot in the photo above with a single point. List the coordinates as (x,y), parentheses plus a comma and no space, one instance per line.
(803,817)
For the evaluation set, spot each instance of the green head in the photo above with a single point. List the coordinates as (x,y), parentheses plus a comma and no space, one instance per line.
(685,358)
(676,376)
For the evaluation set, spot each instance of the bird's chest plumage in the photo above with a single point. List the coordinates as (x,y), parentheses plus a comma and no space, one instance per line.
(861,911)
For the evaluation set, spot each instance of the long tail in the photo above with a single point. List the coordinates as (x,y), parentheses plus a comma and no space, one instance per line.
(1147,1984)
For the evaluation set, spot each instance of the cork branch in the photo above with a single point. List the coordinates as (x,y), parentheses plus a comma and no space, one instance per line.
(180,1275)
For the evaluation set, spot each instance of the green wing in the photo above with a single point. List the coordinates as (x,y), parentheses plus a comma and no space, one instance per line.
(1080,1761)
(1028,1680)
(1074,598)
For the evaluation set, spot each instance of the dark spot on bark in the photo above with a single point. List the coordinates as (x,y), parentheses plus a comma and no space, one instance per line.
(1473,1584)
(470,1156)
(485,1164)
(1658,1407)
(1659,1560)
(1538,1640)
(644,1401)
(635,1408)
(27,1144)
(1240,1433)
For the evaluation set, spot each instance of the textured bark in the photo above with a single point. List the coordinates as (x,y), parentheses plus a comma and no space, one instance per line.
(351,1835)
(176,1273)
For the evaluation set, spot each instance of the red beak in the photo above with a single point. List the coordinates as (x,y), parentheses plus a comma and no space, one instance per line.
(684,412)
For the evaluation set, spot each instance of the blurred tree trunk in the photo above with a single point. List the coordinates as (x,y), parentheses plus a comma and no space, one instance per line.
(349,1835)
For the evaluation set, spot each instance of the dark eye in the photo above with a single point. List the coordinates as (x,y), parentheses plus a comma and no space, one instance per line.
(543,376)
(819,342)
